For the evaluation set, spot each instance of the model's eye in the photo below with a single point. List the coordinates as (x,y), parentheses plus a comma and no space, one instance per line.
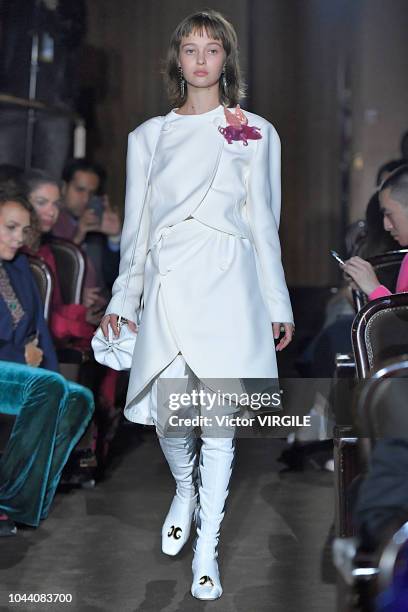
(213,51)
(189,51)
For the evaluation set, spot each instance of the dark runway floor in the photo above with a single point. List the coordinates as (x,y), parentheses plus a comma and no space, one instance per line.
(102,545)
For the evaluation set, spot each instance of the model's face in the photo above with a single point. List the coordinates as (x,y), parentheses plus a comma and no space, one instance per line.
(395,217)
(202,59)
(46,200)
(78,192)
(14,226)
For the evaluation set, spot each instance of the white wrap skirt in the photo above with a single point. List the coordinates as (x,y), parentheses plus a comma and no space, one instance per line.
(202,298)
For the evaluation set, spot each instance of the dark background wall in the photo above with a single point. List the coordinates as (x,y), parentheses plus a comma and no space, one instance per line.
(309,64)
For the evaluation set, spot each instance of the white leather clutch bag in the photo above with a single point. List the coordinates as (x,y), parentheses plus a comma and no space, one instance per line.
(117,352)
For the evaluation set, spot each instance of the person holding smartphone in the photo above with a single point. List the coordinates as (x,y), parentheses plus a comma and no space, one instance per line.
(24,335)
(88,219)
(393,196)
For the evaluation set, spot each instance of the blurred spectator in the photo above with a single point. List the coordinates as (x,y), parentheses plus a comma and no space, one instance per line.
(390,205)
(393,198)
(24,336)
(51,412)
(60,25)
(74,323)
(88,219)
(318,359)
(67,321)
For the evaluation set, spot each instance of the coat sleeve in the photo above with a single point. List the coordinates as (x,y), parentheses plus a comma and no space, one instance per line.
(263,213)
(135,186)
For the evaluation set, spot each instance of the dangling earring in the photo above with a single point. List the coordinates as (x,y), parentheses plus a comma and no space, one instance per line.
(224,79)
(181,81)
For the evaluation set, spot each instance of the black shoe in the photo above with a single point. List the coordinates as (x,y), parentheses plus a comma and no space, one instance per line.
(7,528)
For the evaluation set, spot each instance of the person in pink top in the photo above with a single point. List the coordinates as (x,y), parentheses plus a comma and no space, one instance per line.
(393,195)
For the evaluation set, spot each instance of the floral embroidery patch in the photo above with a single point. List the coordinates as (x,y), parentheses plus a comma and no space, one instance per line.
(238,128)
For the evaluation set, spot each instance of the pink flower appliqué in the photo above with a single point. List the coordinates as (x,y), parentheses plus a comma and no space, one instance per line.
(238,128)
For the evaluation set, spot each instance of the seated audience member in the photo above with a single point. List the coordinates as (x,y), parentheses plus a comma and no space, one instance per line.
(10,176)
(67,321)
(51,412)
(88,219)
(75,323)
(393,197)
(318,359)
(24,336)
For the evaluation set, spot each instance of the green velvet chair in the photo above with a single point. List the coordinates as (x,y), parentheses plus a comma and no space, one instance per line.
(51,416)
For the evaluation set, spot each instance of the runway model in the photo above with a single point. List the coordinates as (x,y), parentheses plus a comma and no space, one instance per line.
(207,293)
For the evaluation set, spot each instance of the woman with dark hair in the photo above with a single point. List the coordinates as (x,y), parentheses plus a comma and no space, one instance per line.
(24,336)
(208,263)
(67,321)
(51,413)
(73,323)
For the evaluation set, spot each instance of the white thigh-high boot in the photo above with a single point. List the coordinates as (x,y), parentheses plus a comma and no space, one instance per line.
(215,467)
(179,448)
(181,457)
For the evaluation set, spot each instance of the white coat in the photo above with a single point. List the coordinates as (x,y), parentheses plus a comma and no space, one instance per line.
(209,287)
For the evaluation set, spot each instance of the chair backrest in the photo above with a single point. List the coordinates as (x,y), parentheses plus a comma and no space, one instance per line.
(70,268)
(380,332)
(381,406)
(386,266)
(43,277)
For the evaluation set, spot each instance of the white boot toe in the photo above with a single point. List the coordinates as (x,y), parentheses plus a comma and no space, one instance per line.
(206,580)
(177,525)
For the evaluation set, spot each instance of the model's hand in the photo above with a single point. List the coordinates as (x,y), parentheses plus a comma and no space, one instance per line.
(112,321)
(110,224)
(289,330)
(362,273)
(32,354)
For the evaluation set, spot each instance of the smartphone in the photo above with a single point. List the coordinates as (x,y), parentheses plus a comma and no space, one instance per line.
(96,204)
(337,257)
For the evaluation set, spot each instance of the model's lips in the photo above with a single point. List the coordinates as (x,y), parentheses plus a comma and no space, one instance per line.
(200,73)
